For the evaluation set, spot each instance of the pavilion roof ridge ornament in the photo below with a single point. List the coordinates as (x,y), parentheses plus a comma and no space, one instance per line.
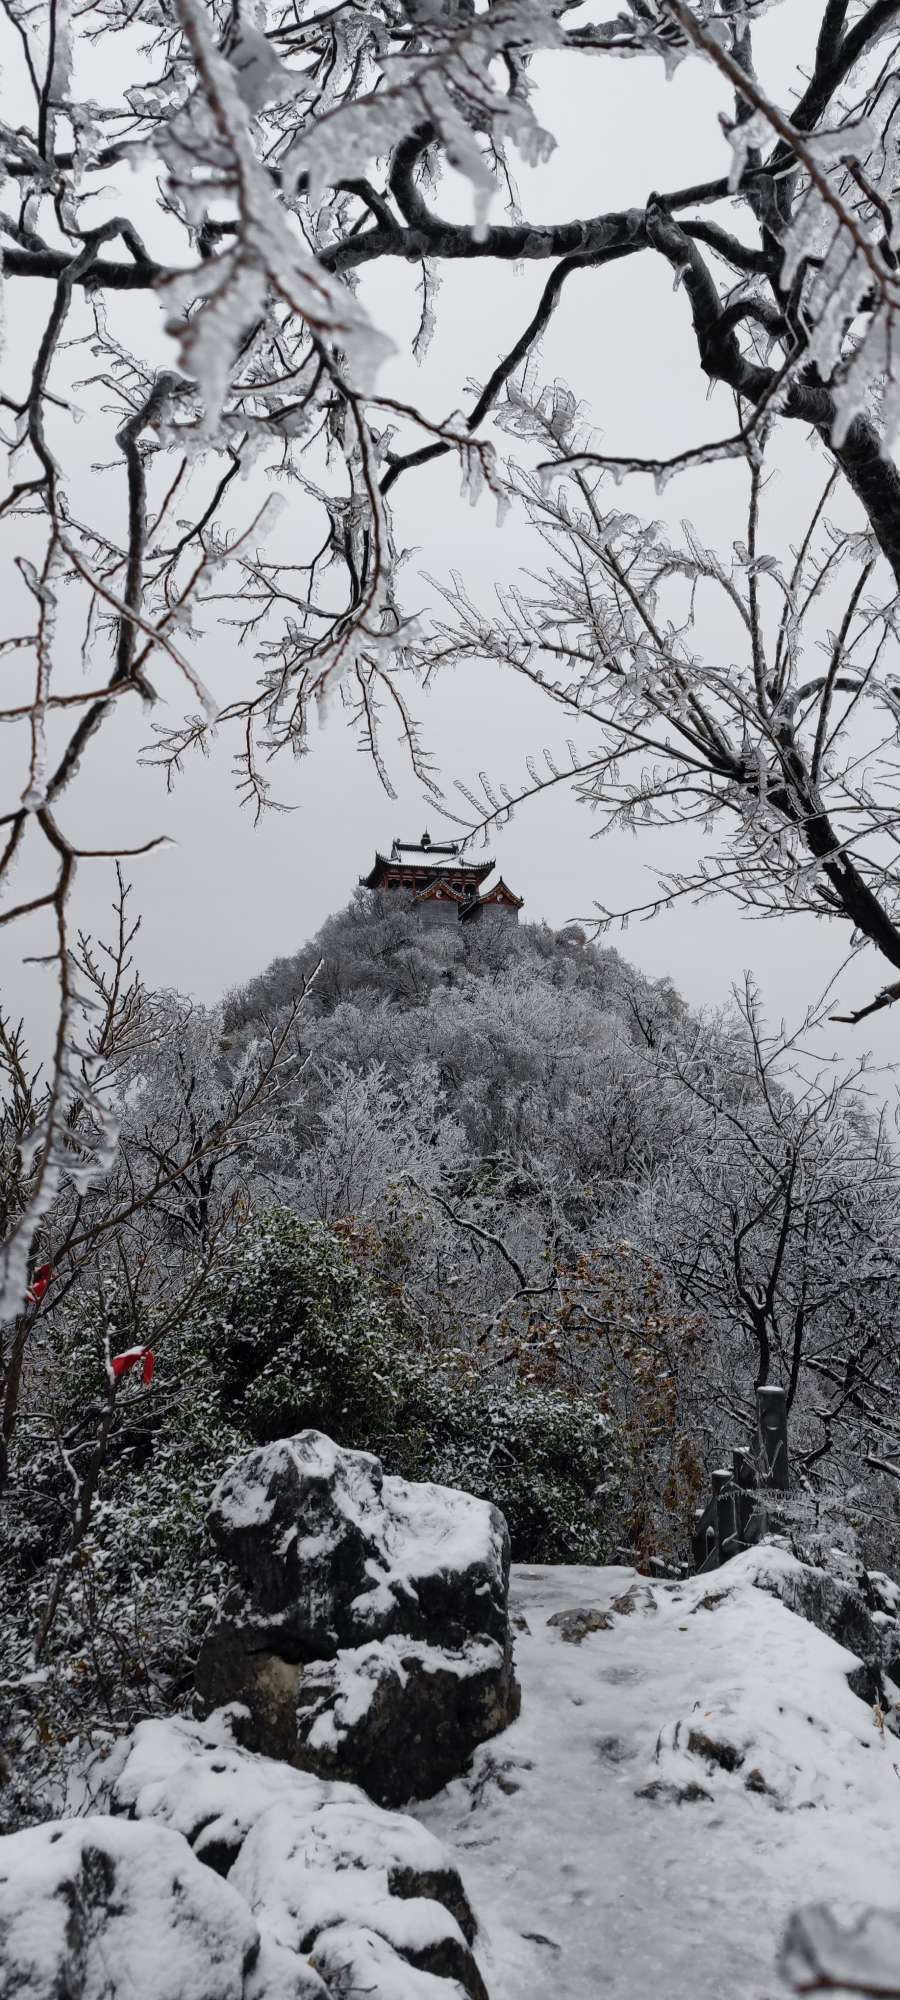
(424,845)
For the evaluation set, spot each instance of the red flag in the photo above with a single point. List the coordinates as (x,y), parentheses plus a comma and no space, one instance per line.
(39,1284)
(122,1362)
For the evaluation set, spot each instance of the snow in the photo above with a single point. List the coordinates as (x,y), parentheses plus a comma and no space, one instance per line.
(860,1958)
(693,1803)
(279,1975)
(192,1775)
(587,1890)
(359,1963)
(248,1493)
(772,1566)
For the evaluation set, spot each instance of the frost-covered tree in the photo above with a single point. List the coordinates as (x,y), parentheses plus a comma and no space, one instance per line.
(230,172)
(775,1218)
(162,1158)
(361,1138)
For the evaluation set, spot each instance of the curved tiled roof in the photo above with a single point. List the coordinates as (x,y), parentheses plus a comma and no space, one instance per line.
(381,863)
(426,862)
(500,892)
(441,889)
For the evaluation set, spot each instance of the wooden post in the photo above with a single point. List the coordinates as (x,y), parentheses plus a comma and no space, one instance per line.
(771,1419)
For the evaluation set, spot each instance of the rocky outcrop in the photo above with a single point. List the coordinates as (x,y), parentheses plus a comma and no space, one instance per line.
(767,1709)
(220,1875)
(368,1635)
(857,1607)
(328,1549)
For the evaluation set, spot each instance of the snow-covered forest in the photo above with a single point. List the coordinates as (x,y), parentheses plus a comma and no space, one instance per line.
(449,1432)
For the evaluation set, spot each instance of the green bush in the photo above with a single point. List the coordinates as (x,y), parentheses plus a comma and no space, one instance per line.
(300,1339)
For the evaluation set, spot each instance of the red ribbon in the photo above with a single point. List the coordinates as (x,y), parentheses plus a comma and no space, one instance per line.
(122,1362)
(39,1284)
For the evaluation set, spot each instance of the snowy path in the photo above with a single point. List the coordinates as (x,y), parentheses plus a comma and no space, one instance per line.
(588,1892)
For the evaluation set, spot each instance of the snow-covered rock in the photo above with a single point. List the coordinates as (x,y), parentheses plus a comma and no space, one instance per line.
(822,1956)
(333,1551)
(856,1607)
(427,1706)
(322,1889)
(357,1964)
(319,1868)
(96,1909)
(368,1636)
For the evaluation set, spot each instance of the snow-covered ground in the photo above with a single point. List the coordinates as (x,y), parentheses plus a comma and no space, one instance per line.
(588,1891)
(690,1767)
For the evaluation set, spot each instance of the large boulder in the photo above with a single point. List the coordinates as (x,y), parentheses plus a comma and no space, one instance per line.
(368,1635)
(95,1909)
(325,1877)
(330,1551)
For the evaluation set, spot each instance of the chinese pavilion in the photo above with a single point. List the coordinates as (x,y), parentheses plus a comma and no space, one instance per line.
(445,887)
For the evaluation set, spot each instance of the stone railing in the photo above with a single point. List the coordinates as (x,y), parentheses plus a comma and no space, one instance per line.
(743,1500)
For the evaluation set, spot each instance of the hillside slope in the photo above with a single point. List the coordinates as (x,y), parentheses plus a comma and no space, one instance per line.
(609,1851)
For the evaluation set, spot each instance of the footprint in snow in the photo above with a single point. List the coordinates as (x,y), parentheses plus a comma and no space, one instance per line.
(612,1750)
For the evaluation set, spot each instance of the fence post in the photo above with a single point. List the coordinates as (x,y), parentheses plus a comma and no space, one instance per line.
(740,1510)
(771,1420)
(745,1474)
(699,1539)
(725,1512)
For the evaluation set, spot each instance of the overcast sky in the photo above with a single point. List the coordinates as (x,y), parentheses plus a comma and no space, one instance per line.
(225,899)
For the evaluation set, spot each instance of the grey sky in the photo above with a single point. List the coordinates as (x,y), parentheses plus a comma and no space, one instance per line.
(226,898)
